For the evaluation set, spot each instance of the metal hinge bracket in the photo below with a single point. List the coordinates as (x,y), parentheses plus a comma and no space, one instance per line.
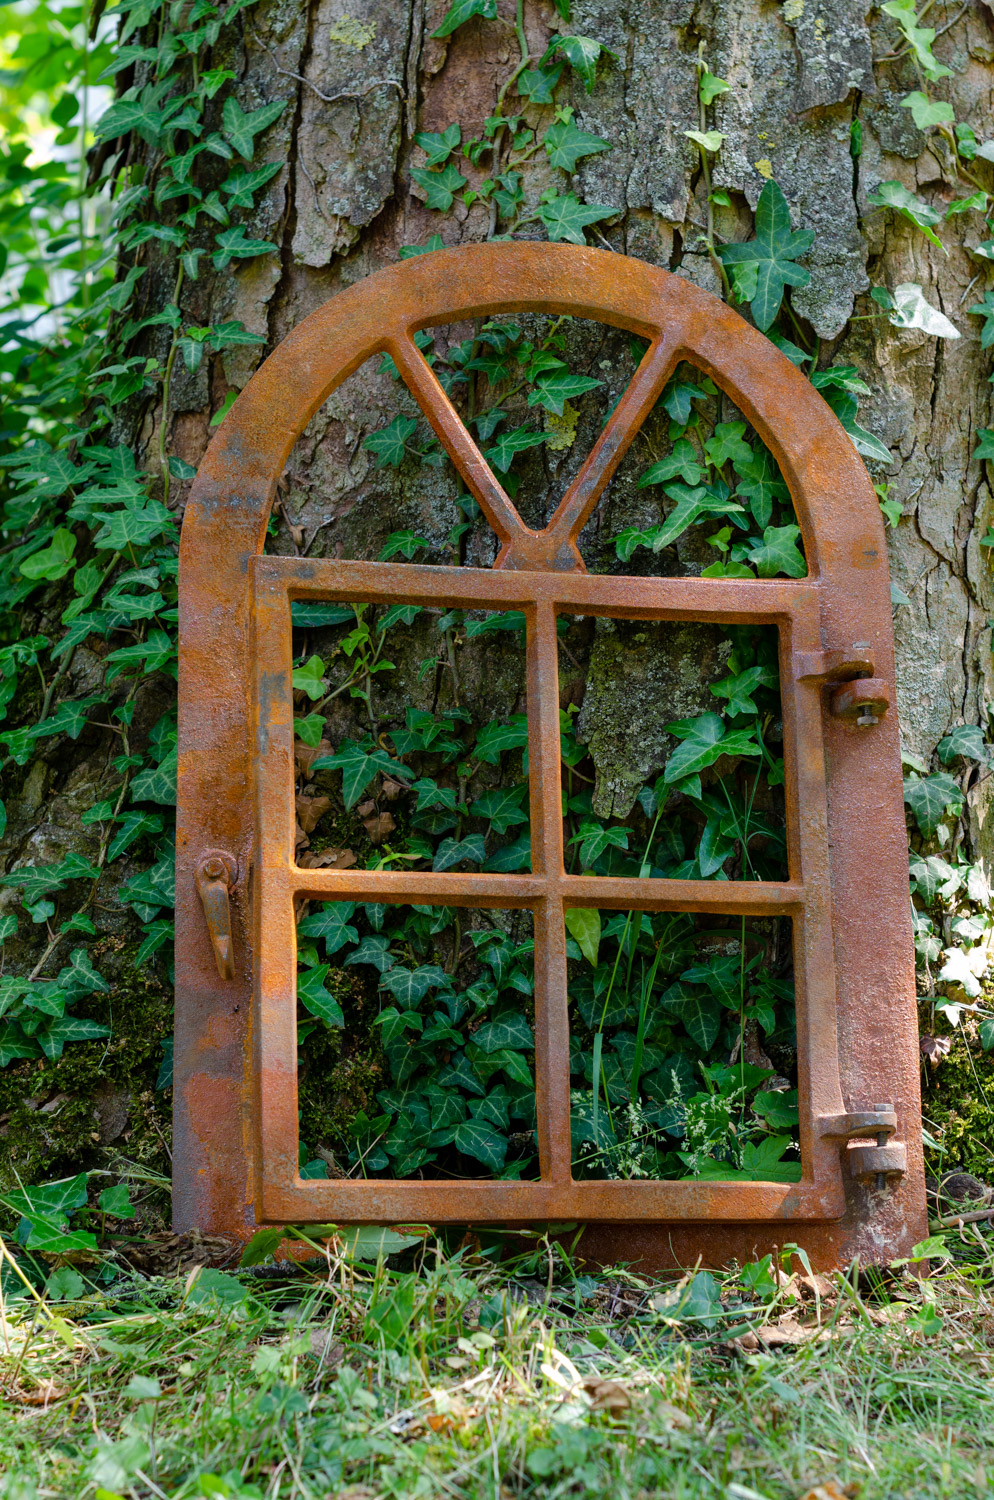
(879,1161)
(856,694)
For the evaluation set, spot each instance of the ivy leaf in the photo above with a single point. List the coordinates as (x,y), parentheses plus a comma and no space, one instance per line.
(594,839)
(708,140)
(309,678)
(51,562)
(679,395)
(565,218)
(581,52)
(929,797)
(133,826)
(926,112)
(134,527)
(985,310)
(565,144)
(51,1038)
(452,852)
(511,1030)
(985,448)
(157,783)
(358,767)
(895,195)
(760,483)
(494,739)
(728,443)
(463,10)
(501,806)
(312,994)
(966,740)
(502,454)
(539,84)
(375,951)
(474,1138)
(440,184)
(241,187)
(773,252)
(584,924)
(699,1012)
(389,444)
(919,38)
(710,86)
(331,924)
(911,310)
(438,146)
(690,505)
(404,542)
(739,687)
(115,1201)
(232,245)
(777,553)
(410,986)
(703,741)
(559,387)
(682,463)
(512,857)
(241,129)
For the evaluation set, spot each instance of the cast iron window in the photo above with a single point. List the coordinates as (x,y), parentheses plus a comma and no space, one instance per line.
(236,1047)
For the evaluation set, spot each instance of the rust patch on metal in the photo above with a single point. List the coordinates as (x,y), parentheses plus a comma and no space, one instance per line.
(236,1167)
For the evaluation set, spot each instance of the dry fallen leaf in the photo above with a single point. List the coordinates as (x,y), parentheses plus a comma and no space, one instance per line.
(327,859)
(935,1048)
(817,1286)
(306,755)
(44,1394)
(606,1395)
(379,826)
(329,1349)
(310,811)
(391,789)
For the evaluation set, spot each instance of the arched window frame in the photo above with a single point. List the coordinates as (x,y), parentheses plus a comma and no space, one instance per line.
(235,1147)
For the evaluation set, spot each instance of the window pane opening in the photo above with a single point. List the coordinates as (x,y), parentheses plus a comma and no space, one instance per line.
(366,468)
(672,750)
(683,1047)
(698,493)
(411,737)
(416,1042)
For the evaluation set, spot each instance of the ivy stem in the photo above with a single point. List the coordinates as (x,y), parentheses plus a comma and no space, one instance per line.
(166,382)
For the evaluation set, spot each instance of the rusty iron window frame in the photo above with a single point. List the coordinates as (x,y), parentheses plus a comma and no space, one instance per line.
(236,1051)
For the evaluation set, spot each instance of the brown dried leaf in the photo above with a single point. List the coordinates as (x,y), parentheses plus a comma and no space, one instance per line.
(44,1394)
(306,755)
(935,1048)
(328,1348)
(310,811)
(327,859)
(817,1287)
(366,809)
(606,1395)
(300,839)
(379,826)
(391,789)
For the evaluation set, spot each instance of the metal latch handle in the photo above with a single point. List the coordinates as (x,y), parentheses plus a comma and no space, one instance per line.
(216,873)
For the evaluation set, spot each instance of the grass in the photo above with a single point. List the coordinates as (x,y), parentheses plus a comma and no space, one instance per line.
(449,1372)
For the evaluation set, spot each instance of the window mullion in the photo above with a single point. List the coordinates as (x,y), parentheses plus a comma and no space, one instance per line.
(551,1005)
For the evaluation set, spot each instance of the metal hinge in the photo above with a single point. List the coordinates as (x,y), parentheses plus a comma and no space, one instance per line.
(856,694)
(880,1161)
